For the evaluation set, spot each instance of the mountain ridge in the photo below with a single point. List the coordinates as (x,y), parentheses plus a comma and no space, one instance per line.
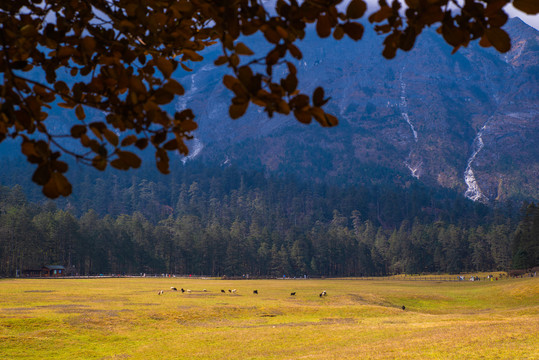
(420,113)
(466,121)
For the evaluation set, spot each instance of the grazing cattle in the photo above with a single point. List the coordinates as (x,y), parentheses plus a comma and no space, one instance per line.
(160,292)
(255,292)
(324,293)
(293,293)
(204,290)
(234,291)
(403,307)
(173,288)
(223,291)
(189,291)
(229,290)
(183,290)
(321,294)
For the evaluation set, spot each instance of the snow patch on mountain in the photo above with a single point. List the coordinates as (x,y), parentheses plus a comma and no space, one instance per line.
(404,106)
(474,192)
(195,151)
(414,169)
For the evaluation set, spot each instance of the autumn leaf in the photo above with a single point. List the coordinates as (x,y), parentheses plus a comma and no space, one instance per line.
(165,66)
(242,49)
(356,9)
(499,39)
(530,7)
(323,26)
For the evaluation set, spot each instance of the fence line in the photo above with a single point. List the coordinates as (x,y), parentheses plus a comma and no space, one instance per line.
(444,278)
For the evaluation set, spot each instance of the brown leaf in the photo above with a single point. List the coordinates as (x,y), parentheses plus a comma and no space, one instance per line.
(65,51)
(161,158)
(499,39)
(338,33)
(318,97)
(356,9)
(453,35)
(498,19)
(191,55)
(171,145)
(300,102)
(88,44)
(56,186)
(528,6)
(229,81)
(174,87)
(271,35)
(242,49)
(127,24)
(408,39)
(383,13)
(220,60)
(119,164)
(111,137)
(331,120)
(42,174)
(78,130)
(99,162)
(165,66)
(302,116)
(66,105)
(136,85)
(28,149)
(159,137)
(234,60)
(283,107)
(186,114)
(294,51)
(290,83)
(245,74)
(130,159)
(141,143)
(163,97)
(291,68)
(185,67)
(97,128)
(128,140)
(237,110)
(282,32)
(60,166)
(323,26)
(79,111)
(61,87)
(353,30)
(389,51)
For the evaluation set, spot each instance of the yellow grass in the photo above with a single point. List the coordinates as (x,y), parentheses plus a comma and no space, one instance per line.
(358,319)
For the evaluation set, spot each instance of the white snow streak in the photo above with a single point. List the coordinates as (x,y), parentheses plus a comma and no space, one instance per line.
(474,191)
(414,168)
(404,107)
(197,148)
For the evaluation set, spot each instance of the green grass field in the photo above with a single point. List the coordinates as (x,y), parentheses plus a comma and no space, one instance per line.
(358,319)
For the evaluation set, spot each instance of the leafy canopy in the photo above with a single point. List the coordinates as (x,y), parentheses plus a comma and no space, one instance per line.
(121,56)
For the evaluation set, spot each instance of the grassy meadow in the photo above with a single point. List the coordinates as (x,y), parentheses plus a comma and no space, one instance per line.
(125,318)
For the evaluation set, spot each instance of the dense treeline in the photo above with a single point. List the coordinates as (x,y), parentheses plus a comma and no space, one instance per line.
(526,240)
(230,222)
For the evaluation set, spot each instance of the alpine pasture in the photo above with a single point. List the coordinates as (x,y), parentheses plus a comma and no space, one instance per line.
(129,318)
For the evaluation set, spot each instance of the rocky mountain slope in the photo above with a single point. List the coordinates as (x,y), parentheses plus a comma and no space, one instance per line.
(467,121)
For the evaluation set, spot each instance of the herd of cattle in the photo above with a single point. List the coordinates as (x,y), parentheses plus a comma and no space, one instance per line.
(232,291)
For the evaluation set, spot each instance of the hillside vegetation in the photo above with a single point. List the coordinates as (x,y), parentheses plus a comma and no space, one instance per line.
(235,223)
